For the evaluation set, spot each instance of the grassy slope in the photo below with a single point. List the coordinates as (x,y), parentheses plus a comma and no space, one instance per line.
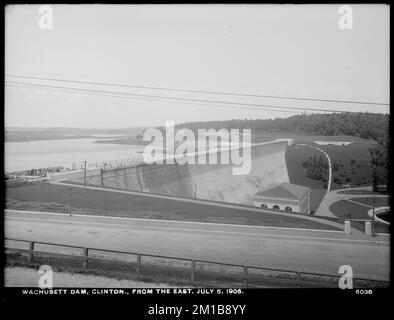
(45,197)
(360,173)
(357,211)
(343,207)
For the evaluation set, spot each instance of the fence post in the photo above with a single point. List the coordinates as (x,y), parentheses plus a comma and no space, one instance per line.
(193,264)
(245,276)
(347,227)
(138,271)
(368,228)
(85,254)
(31,248)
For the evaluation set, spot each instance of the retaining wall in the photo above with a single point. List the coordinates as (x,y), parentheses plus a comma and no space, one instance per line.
(202,181)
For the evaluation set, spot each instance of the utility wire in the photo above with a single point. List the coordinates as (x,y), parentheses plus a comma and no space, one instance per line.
(255,105)
(17,84)
(201,91)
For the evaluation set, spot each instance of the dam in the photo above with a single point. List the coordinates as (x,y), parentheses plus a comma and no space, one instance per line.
(215,182)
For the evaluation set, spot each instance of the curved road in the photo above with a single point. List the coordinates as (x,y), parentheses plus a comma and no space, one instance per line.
(295,249)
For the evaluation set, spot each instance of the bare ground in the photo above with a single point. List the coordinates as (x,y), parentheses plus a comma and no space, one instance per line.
(28,277)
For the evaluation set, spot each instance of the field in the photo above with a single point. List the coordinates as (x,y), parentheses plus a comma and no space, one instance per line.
(344,208)
(359,171)
(54,198)
(355,210)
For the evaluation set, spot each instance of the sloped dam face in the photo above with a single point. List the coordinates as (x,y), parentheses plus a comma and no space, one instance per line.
(201,181)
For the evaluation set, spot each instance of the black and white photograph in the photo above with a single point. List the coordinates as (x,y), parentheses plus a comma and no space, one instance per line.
(200,149)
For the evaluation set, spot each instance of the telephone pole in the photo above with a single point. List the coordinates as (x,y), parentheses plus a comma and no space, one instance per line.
(84,175)
(69,200)
(373,200)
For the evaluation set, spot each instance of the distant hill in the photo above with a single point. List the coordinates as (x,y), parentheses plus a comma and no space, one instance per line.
(362,125)
(18,134)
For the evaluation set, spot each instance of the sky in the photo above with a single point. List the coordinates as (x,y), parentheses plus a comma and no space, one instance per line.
(283,50)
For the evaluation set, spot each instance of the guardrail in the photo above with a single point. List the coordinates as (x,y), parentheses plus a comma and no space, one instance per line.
(85,258)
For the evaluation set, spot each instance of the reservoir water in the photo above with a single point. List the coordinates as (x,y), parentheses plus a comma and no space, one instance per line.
(52,153)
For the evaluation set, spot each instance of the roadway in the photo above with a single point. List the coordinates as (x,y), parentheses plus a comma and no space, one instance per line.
(296,249)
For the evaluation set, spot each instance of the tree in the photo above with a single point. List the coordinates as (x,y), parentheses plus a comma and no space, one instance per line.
(379,165)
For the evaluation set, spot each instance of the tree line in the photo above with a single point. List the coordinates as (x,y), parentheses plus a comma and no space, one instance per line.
(363,125)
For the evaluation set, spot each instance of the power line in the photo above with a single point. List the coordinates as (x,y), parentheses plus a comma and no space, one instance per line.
(17,84)
(231,103)
(128,94)
(202,91)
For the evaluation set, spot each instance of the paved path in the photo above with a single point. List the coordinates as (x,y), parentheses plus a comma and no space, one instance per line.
(359,203)
(377,211)
(302,250)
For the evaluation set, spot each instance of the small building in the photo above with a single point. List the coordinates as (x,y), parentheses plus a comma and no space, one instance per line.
(290,141)
(284,196)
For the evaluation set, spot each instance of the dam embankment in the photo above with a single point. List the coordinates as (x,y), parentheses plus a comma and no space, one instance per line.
(201,181)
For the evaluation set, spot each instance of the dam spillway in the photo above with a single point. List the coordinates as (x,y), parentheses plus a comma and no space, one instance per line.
(214,182)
